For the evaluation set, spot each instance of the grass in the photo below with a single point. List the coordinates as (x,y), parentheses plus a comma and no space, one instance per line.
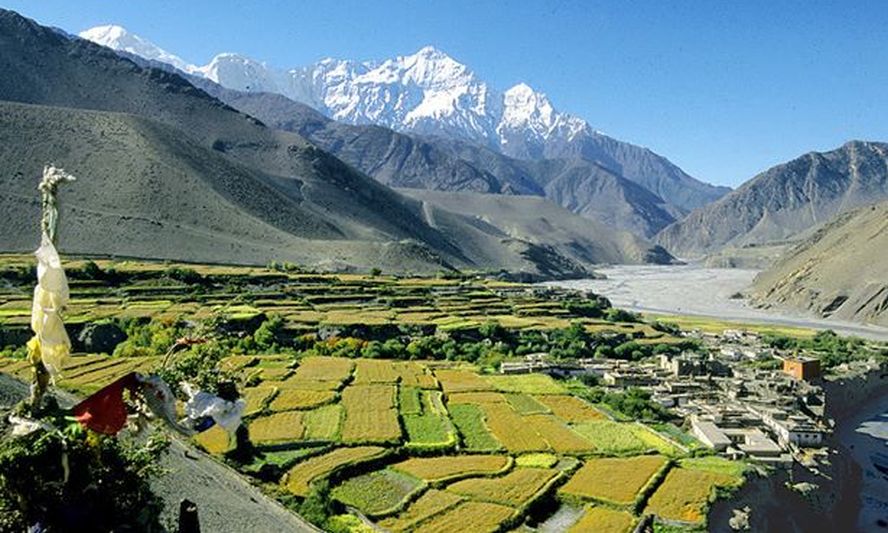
(613,480)
(716,465)
(714,325)
(619,438)
(525,404)
(435,469)
(377,493)
(469,420)
(408,401)
(323,423)
(538,460)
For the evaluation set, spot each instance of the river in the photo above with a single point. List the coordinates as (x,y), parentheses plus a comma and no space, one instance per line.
(698,291)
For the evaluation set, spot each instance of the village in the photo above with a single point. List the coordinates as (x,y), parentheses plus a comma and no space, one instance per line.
(737,396)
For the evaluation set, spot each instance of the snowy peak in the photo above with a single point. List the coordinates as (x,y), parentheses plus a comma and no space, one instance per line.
(117,38)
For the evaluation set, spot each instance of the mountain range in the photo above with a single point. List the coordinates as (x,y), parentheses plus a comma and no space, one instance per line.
(433,97)
(168,171)
(786,201)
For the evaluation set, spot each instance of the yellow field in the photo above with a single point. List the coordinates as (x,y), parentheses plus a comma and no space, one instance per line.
(684,494)
(440,468)
(527,383)
(415,375)
(570,408)
(560,438)
(613,480)
(512,429)
(290,399)
(214,440)
(477,517)
(298,479)
(279,427)
(603,520)
(324,369)
(296,382)
(429,504)
(515,488)
(369,371)
(475,397)
(461,381)
(370,414)
(256,398)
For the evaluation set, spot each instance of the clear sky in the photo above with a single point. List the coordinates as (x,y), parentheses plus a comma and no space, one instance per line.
(725,89)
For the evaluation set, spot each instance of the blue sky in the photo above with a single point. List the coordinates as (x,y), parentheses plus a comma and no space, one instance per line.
(723,89)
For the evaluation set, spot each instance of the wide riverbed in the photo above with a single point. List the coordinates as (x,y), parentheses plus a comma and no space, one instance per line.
(694,290)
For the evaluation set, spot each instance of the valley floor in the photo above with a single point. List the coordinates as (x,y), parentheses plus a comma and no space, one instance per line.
(706,292)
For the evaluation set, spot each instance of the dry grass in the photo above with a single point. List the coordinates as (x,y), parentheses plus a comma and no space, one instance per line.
(613,480)
(441,468)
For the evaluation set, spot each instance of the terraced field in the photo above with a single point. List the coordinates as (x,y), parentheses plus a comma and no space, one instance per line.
(418,444)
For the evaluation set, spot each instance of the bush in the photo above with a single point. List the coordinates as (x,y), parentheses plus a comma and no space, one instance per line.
(107,486)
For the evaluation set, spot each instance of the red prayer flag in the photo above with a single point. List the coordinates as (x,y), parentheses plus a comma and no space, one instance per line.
(104,411)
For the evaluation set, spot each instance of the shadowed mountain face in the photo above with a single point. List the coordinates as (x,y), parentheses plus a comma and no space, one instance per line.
(398,160)
(168,171)
(841,271)
(783,202)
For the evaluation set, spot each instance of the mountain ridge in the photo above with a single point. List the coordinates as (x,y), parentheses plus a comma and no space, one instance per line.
(431,94)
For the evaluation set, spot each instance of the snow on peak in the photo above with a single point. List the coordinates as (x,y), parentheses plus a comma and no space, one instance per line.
(427,92)
(118,38)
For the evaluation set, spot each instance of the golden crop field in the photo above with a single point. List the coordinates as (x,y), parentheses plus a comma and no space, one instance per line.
(477,517)
(457,398)
(561,438)
(516,488)
(291,399)
(298,478)
(256,398)
(323,423)
(615,480)
(369,371)
(279,427)
(415,375)
(461,381)
(296,382)
(370,414)
(324,369)
(432,503)
(603,520)
(684,494)
(527,383)
(512,430)
(214,440)
(441,468)
(570,408)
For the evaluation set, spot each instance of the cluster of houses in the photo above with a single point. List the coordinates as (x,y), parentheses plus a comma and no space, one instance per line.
(732,398)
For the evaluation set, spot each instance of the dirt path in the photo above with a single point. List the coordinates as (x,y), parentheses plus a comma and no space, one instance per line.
(226,502)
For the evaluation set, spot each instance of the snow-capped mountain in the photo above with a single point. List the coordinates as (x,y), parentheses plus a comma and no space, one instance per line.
(429,93)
